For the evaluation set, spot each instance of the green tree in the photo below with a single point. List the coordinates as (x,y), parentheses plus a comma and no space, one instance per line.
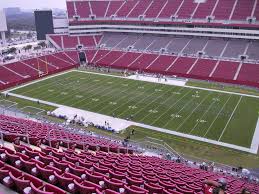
(42,44)
(12,50)
(36,48)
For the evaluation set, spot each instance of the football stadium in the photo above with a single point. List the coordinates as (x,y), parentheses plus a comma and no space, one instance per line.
(132,97)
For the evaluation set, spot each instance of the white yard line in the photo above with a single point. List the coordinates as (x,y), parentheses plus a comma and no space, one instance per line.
(254,151)
(92,95)
(157,107)
(36,81)
(130,99)
(119,99)
(193,87)
(182,108)
(217,116)
(178,100)
(255,140)
(230,118)
(41,86)
(211,104)
(232,146)
(152,101)
(143,99)
(109,90)
(192,112)
(92,88)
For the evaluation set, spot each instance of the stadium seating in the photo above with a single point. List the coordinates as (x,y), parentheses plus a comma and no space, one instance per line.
(99,8)
(8,76)
(226,70)
(223,10)
(242,10)
(181,65)
(186,9)
(126,60)
(50,134)
(87,41)
(220,10)
(204,9)
(66,169)
(71,42)
(249,72)
(90,55)
(113,7)
(23,71)
(125,9)
(155,8)
(56,39)
(170,9)
(206,69)
(83,9)
(203,67)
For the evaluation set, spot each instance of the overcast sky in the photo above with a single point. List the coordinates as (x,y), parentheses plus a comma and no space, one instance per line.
(33,4)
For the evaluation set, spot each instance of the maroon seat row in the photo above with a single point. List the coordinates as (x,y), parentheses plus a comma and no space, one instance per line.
(30,69)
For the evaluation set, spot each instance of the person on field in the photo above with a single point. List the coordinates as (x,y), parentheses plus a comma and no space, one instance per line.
(215,187)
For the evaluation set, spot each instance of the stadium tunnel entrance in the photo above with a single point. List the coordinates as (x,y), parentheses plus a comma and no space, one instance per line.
(82,57)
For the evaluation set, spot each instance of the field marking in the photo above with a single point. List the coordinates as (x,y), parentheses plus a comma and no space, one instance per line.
(192,87)
(210,90)
(158,106)
(211,104)
(55,94)
(232,146)
(152,101)
(230,118)
(71,87)
(102,91)
(132,99)
(43,88)
(119,99)
(217,115)
(255,140)
(73,70)
(106,102)
(37,81)
(143,99)
(193,111)
(170,107)
(94,87)
(178,113)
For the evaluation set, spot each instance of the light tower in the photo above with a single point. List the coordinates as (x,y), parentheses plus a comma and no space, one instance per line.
(3,26)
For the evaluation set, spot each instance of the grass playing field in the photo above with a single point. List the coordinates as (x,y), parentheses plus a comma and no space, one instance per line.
(218,116)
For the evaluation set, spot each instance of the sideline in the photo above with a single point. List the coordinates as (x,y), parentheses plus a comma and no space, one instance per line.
(130,78)
(255,140)
(253,149)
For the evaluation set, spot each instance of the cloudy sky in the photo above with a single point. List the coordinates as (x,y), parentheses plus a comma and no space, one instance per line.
(33,4)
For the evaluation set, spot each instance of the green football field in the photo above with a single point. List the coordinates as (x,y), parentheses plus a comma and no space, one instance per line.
(218,116)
